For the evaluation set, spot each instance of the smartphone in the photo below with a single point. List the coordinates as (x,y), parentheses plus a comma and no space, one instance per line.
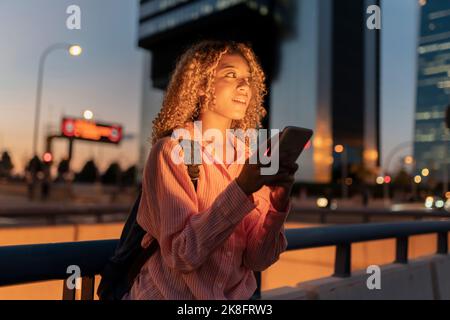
(292,139)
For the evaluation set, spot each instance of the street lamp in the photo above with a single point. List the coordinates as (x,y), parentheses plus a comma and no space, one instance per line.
(88,115)
(74,50)
(342,150)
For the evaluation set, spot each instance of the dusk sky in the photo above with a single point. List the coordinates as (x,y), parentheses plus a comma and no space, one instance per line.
(107,77)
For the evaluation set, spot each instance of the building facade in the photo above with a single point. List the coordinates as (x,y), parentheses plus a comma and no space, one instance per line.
(320,59)
(432,138)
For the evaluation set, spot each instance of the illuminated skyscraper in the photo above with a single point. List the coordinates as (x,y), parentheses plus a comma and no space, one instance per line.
(432,138)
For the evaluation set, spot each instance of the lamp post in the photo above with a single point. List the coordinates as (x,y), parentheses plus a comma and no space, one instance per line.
(410,160)
(343,151)
(74,50)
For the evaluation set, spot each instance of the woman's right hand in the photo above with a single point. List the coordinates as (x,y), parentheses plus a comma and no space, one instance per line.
(250,179)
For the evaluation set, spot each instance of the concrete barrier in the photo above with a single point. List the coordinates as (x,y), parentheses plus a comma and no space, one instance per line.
(440,272)
(426,278)
(287,293)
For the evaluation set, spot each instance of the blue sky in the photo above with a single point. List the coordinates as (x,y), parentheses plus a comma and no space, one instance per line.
(107,76)
(400,20)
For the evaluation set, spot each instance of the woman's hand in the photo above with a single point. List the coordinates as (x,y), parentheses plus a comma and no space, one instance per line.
(250,180)
(281,190)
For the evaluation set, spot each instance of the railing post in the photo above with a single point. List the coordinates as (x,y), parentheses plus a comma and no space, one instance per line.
(401,253)
(68,294)
(87,287)
(322,218)
(366,218)
(442,243)
(343,260)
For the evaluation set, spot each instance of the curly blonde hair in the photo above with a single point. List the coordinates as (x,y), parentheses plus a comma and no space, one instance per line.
(195,72)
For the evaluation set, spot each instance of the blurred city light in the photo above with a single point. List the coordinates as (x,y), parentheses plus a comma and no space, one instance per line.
(439,204)
(322,202)
(47,157)
(417,179)
(447,195)
(429,202)
(409,160)
(339,148)
(88,115)
(425,172)
(380,180)
(75,50)
(387,179)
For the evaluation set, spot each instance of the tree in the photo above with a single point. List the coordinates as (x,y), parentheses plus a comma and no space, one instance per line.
(6,165)
(63,169)
(129,176)
(88,174)
(112,175)
(34,165)
(362,174)
(402,179)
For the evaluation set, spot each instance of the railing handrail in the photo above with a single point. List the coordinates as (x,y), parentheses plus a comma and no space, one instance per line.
(95,209)
(28,263)
(57,210)
(39,262)
(372,212)
(305,238)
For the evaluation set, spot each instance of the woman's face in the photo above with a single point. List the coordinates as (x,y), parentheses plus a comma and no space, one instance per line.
(232,87)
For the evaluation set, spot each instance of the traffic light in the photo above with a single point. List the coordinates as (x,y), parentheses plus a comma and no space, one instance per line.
(48,158)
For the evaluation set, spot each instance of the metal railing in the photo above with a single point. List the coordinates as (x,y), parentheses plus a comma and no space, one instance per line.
(364,216)
(53,214)
(50,261)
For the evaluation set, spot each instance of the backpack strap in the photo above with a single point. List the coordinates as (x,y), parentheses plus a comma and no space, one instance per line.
(192,168)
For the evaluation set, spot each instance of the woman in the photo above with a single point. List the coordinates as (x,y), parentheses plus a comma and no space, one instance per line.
(212,238)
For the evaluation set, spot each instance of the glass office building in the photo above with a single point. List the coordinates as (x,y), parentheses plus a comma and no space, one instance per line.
(432,138)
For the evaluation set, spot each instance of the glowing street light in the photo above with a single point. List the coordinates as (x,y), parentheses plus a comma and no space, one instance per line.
(417,179)
(75,50)
(380,180)
(88,115)
(425,172)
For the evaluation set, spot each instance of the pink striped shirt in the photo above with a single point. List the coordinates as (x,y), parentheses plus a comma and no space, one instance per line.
(210,240)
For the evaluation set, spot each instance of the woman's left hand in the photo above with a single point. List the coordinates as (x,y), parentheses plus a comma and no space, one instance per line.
(280,192)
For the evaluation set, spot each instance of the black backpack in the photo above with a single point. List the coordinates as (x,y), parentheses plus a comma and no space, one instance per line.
(122,268)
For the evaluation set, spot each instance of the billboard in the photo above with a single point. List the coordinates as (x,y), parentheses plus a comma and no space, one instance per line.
(82,129)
